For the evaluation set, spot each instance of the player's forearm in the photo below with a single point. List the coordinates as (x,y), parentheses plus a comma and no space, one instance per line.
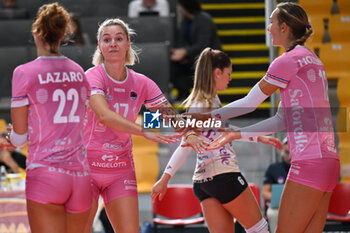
(165,178)
(242,106)
(121,124)
(177,159)
(168,113)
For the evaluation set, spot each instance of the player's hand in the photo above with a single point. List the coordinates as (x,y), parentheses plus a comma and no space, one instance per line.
(182,130)
(268,140)
(162,138)
(159,190)
(198,143)
(6,144)
(225,138)
(9,127)
(178,54)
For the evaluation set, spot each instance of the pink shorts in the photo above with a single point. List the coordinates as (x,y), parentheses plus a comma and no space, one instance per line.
(321,174)
(115,185)
(52,185)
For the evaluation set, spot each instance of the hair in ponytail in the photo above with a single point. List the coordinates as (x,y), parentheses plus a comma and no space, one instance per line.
(51,23)
(296,18)
(204,81)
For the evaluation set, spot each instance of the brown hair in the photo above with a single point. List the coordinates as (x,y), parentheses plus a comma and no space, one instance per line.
(78,38)
(204,81)
(296,18)
(131,55)
(51,23)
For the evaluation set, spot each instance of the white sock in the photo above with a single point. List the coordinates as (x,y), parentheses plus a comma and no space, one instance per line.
(259,227)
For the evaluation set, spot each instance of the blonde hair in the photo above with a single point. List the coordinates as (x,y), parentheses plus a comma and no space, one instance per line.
(51,24)
(204,81)
(131,55)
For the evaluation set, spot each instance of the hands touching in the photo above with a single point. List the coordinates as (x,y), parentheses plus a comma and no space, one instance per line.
(162,138)
(225,138)
(268,140)
(229,136)
(198,143)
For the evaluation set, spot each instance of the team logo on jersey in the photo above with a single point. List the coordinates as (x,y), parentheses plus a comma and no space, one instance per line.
(311,75)
(280,180)
(108,96)
(151,120)
(42,95)
(133,95)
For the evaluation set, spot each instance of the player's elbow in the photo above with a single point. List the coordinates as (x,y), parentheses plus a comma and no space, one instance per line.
(103,117)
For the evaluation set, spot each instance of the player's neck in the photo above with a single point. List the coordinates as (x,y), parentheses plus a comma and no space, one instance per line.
(288,45)
(117,72)
(48,51)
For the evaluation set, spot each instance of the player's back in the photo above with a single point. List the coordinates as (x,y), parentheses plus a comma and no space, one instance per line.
(56,91)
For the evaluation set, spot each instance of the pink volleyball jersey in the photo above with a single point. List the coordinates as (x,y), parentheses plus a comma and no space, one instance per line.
(304,96)
(106,147)
(55,90)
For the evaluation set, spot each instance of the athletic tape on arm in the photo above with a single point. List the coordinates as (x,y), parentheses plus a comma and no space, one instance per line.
(18,140)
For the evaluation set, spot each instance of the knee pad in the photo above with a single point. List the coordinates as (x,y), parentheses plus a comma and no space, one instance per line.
(259,227)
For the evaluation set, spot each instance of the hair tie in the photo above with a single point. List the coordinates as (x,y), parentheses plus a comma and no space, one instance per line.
(308,27)
(212,51)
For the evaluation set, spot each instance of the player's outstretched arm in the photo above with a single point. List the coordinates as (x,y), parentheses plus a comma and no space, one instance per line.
(225,138)
(269,140)
(170,114)
(115,121)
